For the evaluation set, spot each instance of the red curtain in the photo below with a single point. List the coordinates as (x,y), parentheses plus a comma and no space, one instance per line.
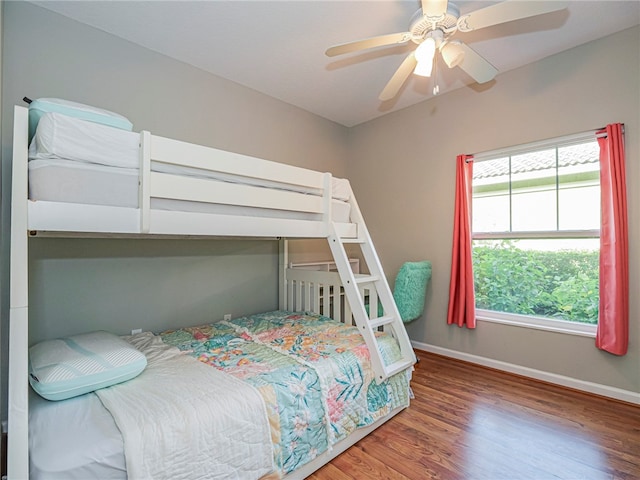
(462,299)
(613,321)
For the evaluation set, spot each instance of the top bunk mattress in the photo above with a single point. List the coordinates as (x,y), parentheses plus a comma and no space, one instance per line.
(63,138)
(68,181)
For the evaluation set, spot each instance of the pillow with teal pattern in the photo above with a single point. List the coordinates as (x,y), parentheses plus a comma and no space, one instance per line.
(79,364)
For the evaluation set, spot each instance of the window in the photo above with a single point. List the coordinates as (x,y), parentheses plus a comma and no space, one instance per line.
(536,228)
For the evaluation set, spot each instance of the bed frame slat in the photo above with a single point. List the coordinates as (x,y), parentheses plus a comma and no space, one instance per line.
(175,152)
(317,291)
(194,189)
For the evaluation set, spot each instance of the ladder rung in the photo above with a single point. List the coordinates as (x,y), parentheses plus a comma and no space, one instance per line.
(396,367)
(380,321)
(352,240)
(367,279)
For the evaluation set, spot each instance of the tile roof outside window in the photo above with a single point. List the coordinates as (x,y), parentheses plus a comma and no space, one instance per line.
(571,155)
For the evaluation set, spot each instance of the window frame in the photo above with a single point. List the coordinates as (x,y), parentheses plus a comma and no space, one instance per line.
(531,321)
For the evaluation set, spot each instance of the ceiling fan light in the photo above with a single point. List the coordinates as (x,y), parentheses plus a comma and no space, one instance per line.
(423,69)
(424,56)
(452,54)
(426,50)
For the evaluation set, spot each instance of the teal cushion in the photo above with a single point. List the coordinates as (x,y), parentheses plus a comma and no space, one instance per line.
(72,366)
(410,289)
(39,107)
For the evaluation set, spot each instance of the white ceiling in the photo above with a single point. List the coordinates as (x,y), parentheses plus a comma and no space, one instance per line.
(277,47)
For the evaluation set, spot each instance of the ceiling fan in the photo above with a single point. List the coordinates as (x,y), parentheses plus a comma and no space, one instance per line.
(431,29)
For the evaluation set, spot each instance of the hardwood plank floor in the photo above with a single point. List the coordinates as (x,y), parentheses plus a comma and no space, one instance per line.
(471,422)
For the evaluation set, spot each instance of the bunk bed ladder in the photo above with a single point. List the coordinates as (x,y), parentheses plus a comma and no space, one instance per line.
(372,287)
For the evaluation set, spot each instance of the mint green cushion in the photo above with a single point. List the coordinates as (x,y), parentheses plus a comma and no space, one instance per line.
(410,289)
(72,366)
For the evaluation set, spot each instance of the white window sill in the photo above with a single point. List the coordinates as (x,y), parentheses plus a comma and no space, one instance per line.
(539,323)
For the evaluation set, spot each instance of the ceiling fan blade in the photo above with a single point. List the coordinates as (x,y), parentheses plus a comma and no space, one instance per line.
(434,8)
(367,43)
(475,66)
(404,70)
(506,12)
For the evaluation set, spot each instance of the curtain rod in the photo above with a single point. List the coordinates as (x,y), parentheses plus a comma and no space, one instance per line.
(526,147)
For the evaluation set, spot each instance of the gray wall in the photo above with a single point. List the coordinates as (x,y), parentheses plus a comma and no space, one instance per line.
(81,284)
(78,284)
(402,168)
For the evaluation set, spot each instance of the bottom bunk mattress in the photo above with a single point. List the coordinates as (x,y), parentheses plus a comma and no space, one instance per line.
(312,374)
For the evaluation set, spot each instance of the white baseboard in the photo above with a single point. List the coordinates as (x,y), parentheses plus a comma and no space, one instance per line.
(590,387)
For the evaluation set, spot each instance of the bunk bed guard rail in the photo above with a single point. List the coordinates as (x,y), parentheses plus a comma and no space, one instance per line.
(294,189)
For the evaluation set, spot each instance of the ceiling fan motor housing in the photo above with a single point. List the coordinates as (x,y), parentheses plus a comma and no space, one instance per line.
(421,25)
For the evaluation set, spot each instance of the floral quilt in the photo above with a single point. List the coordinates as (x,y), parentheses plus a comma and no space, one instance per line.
(313,373)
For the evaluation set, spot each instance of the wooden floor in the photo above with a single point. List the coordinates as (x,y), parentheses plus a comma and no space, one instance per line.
(469,422)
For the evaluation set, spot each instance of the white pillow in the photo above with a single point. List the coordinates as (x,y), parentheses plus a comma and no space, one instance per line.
(72,366)
(39,107)
(63,137)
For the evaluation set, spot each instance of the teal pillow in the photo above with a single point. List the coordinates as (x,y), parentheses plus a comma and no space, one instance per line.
(39,107)
(409,291)
(72,366)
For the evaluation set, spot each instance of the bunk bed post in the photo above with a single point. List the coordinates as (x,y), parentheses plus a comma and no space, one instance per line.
(283,264)
(327,196)
(18,407)
(144,195)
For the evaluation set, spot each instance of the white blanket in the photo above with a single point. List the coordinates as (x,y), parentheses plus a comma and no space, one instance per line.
(182,419)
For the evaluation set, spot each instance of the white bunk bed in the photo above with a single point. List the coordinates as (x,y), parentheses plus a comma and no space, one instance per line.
(187,190)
